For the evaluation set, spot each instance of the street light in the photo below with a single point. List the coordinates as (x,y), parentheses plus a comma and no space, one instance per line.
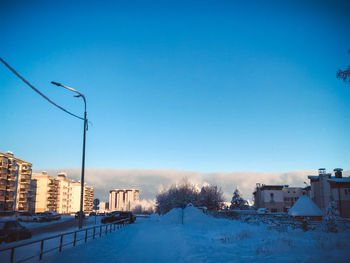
(83,161)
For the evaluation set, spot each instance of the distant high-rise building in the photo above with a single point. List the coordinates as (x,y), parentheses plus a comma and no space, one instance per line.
(15,178)
(122,199)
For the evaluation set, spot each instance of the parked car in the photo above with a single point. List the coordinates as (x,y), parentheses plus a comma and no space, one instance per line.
(118,215)
(50,216)
(11,230)
(77,214)
(30,217)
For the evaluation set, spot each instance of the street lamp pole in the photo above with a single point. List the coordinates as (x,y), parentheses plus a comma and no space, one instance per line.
(83,160)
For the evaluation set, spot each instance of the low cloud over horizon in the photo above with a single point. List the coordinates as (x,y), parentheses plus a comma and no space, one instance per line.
(151,182)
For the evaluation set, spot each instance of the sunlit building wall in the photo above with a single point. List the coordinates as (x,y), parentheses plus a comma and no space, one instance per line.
(15,178)
(46,192)
(122,199)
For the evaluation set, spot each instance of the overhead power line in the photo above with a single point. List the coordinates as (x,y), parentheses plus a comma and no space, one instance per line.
(38,91)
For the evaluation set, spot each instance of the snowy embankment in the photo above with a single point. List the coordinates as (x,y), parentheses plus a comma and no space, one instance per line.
(203,238)
(33,225)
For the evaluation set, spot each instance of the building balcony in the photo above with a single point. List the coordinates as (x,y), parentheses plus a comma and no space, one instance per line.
(23,209)
(11,177)
(9,198)
(10,188)
(24,181)
(4,162)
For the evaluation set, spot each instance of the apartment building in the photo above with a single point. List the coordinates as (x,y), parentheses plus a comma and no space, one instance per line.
(88,198)
(15,178)
(276,198)
(60,194)
(122,199)
(326,188)
(64,199)
(46,189)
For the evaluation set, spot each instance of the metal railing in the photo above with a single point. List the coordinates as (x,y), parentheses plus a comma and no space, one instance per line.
(101,229)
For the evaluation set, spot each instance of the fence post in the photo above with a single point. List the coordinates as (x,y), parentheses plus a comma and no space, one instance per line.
(12,254)
(106,229)
(41,250)
(85,235)
(100,230)
(61,241)
(113,227)
(75,238)
(93,236)
(110,228)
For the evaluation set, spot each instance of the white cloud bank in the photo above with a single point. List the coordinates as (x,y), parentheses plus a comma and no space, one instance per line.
(150,182)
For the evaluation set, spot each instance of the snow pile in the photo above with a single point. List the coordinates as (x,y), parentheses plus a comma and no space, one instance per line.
(193,215)
(190,214)
(304,206)
(172,217)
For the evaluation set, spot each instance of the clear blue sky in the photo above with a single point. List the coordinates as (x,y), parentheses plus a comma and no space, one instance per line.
(202,85)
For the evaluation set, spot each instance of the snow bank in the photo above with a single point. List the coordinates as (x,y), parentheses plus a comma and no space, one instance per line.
(191,215)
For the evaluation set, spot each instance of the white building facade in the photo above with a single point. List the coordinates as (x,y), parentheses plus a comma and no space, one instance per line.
(122,199)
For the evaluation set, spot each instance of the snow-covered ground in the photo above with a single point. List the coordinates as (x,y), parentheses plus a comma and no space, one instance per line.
(32,225)
(203,238)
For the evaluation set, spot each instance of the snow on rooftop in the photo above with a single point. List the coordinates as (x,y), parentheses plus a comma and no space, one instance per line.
(304,206)
(339,180)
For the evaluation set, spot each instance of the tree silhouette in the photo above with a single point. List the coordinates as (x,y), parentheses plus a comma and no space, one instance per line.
(344,74)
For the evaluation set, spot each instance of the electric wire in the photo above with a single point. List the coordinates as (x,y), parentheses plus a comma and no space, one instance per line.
(38,91)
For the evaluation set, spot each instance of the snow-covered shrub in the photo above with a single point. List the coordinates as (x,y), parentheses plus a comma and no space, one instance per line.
(237,201)
(329,220)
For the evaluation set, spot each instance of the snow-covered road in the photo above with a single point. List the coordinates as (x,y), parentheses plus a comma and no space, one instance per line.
(206,239)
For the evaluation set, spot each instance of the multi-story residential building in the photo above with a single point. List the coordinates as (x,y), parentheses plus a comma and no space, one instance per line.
(60,194)
(64,202)
(326,188)
(46,192)
(8,183)
(88,198)
(15,178)
(122,199)
(276,198)
(103,207)
(24,199)
(291,195)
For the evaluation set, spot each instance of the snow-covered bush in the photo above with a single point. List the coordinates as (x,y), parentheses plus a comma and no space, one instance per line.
(329,220)
(237,201)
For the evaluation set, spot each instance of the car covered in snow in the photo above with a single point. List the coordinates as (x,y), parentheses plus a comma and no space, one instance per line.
(30,217)
(50,216)
(119,215)
(11,230)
